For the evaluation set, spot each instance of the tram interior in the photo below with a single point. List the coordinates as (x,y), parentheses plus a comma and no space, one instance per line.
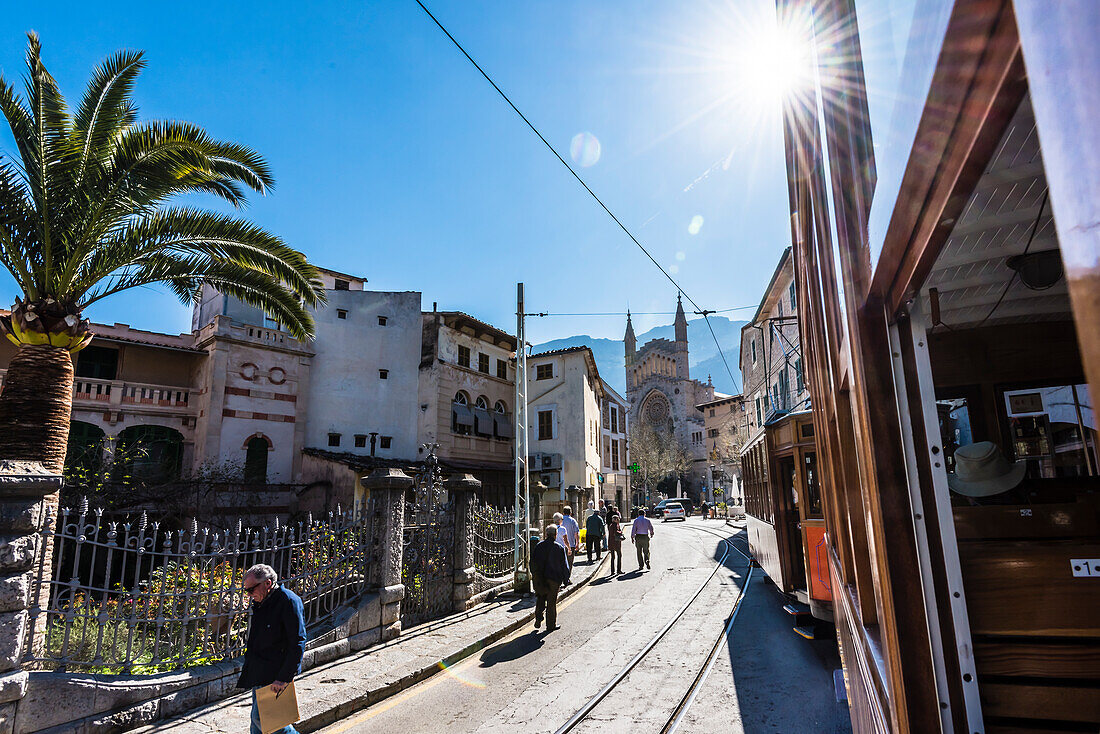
(1007,370)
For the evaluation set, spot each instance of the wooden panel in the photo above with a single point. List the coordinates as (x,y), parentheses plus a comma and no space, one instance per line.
(867,702)
(765,549)
(817,563)
(1073,520)
(1027,588)
(1038,659)
(1006,354)
(1021,729)
(1060,703)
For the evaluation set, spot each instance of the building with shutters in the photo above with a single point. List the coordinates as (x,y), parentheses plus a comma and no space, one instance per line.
(564,399)
(466,394)
(615,458)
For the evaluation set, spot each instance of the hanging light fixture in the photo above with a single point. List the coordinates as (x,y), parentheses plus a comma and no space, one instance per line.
(1037,270)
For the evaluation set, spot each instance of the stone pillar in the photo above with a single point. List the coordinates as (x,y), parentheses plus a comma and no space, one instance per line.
(387,489)
(28,502)
(463,491)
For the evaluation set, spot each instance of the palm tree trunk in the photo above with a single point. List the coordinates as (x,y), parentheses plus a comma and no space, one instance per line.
(36,405)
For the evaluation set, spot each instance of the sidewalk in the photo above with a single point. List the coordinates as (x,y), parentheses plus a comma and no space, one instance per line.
(331,692)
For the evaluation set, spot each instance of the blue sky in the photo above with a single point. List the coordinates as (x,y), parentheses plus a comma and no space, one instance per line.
(395,160)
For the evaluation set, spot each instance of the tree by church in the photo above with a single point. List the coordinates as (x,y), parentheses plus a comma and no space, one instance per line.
(658,454)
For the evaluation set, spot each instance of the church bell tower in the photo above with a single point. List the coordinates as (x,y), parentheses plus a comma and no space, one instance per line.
(681,356)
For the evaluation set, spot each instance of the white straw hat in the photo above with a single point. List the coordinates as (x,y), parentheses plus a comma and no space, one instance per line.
(981,470)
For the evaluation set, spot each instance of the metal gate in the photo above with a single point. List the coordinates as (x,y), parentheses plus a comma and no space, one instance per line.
(427,568)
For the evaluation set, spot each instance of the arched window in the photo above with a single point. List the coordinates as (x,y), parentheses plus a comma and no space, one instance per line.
(255,460)
(483,422)
(462,418)
(85,446)
(149,454)
(502,427)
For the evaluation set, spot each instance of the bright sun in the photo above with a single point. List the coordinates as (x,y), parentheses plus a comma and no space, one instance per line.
(771,64)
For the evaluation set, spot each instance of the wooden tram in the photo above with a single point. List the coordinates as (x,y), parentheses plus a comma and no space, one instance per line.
(783,504)
(947,262)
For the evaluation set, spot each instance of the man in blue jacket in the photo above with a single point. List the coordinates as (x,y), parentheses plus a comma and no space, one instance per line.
(276,639)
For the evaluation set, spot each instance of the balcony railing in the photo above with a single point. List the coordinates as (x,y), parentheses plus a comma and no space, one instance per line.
(123,392)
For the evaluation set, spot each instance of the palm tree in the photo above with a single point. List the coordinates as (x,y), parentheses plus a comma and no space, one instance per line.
(86,212)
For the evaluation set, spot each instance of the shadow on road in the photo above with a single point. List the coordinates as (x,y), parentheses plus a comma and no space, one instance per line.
(783,682)
(629,575)
(508,651)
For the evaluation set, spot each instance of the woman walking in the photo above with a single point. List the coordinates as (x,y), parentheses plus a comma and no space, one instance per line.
(615,541)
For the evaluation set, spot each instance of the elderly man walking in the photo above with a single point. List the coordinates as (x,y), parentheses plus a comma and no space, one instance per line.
(276,638)
(572,532)
(641,530)
(549,571)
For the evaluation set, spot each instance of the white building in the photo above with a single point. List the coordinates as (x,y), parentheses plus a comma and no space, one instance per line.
(615,458)
(564,398)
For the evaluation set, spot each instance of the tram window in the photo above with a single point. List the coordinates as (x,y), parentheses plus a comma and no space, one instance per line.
(1053,429)
(813,487)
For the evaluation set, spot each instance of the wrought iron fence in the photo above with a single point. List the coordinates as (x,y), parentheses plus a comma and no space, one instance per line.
(131,596)
(427,568)
(494,546)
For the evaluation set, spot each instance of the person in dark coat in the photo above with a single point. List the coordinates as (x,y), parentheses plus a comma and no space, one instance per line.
(549,570)
(276,638)
(615,541)
(594,531)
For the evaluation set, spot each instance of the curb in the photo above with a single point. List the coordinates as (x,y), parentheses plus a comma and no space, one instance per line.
(372,697)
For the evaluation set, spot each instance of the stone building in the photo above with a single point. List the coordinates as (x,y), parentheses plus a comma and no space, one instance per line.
(240,397)
(771,354)
(466,400)
(661,391)
(564,395)
(614,430)
(723,436)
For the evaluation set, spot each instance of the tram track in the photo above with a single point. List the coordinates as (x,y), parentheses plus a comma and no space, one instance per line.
(676,717)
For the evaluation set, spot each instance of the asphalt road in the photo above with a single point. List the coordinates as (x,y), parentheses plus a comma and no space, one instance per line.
(766,679)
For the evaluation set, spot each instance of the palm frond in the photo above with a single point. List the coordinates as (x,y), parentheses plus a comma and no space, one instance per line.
(84,211)
(185,274)
(220,237)
(105,111)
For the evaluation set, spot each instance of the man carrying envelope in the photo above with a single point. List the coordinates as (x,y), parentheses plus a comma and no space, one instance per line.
(276,640)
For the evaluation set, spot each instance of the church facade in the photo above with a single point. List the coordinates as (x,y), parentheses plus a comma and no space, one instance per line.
(660,391)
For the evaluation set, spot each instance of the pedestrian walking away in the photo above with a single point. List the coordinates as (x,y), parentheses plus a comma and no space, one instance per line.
(604,506)
(615,539)
(562,538)
(276,638)
(640,532)
(594,531)
(549,571)
(572,533)
(703,510)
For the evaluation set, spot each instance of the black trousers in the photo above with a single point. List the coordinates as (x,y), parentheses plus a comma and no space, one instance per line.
(546,601)
(593,545)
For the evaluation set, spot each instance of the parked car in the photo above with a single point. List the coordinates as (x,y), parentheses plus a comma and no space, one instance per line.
(658,509)
(672,510)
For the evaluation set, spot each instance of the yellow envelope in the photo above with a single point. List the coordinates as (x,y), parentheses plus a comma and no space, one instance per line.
(277,711)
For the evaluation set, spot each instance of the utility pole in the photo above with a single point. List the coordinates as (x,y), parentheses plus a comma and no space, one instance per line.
(522,575)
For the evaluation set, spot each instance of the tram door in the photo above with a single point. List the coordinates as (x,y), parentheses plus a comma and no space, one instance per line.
(788,507)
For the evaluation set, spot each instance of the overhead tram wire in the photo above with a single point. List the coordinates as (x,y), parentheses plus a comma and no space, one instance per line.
(644,313)
(581,181)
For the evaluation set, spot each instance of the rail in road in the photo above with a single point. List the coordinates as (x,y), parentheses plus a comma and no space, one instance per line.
(677,715)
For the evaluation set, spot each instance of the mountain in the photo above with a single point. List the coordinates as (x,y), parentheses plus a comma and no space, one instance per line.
(703,355)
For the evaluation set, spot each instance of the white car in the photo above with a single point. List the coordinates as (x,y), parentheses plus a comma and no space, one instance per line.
(673,511)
